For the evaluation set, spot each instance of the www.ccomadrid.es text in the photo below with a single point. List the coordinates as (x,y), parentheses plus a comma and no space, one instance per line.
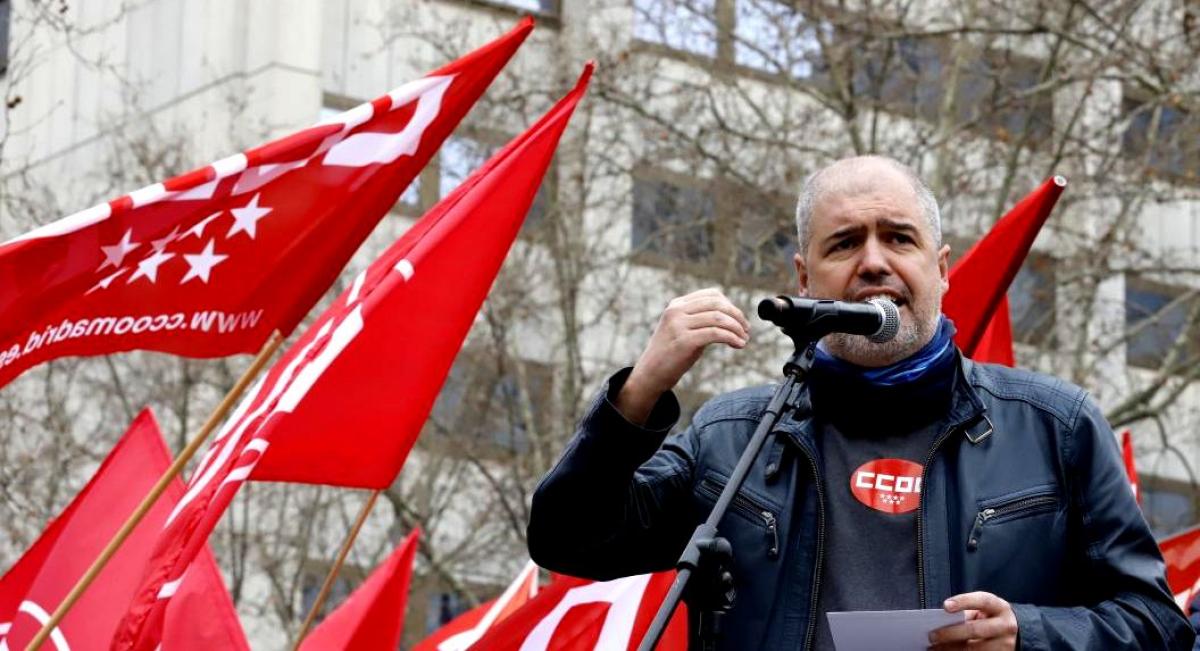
(201,321)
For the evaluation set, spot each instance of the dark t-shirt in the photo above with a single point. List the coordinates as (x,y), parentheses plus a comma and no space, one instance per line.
(872,492)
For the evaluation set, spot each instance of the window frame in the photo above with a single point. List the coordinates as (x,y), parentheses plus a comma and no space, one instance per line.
(724,64)
(1132,103)
(729,204)
(1188,490)
(1173,293)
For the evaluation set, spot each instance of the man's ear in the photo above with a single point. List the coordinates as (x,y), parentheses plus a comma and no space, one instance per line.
(944,267)
(801,274)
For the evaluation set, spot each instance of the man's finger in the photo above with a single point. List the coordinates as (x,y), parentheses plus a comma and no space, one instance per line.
(700,293)
(989,603)
(714,335)
(976,629)
(718,319)
(718,303)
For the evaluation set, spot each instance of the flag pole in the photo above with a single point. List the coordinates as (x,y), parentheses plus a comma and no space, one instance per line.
(327,586)
(142,509)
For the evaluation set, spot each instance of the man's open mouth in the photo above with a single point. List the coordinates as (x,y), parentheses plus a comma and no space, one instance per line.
(898,300)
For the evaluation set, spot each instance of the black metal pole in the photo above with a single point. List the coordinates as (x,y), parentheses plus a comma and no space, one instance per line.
(785,396)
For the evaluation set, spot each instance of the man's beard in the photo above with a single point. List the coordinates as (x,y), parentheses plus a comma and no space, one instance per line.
(912,335)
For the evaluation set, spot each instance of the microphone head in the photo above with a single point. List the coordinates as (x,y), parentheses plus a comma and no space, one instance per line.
(772,309)
(890,326)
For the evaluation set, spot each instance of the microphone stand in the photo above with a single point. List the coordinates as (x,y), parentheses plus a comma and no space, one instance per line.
(707,552)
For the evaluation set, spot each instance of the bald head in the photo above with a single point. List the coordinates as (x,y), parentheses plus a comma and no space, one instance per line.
(853,176)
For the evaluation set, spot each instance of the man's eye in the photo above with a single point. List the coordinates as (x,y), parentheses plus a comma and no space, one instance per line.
(841,245)
(901,238)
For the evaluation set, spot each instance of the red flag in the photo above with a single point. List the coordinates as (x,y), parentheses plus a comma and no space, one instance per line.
(370,366)
(996,344)
(1182,554)
(1130,468)
(981,277)
(579,615)
(211,262)
(39,581)
(372,617)
(466,629)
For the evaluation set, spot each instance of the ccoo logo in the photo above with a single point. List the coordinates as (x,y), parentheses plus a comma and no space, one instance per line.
(888,485)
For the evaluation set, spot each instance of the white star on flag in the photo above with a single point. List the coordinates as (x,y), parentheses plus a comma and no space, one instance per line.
(200,264)
(246,218)
(198,229)
(162,243)
(149,266)
(115,254)
(103,284)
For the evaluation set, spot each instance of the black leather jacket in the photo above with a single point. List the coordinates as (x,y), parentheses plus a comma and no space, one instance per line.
(1068,546)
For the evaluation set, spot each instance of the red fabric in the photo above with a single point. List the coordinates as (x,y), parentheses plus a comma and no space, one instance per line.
(573,614)
(464,630)
(1130,467)
(344,404)
(48,571)
(372,617)
(981,277)
(996,344)
(1182,554)
(209,263)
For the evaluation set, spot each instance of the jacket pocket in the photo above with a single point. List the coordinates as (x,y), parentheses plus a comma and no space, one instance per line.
(750,509)
(1022,504)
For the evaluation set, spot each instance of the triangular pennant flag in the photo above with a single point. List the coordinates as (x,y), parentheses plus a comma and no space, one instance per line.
(36,585)
(573,614)
(981,277)
(996,344)
(372,617)
(1130,467)
(1182,555)
(466,629)
(345,403)
(210,263)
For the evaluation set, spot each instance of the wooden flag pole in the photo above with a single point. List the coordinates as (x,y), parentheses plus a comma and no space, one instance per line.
(327,586)
(142,509)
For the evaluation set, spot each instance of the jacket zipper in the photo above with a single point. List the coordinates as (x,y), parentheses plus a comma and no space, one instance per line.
(1034,503)
(751,509)
(816,584)
(921,508)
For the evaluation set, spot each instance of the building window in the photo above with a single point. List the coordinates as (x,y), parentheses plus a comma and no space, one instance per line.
(442,608)
(672,219)
(902,75)
(547,7)
(460,156)
(993,95)
(1155,316)
(774,37)
(765,237)
(1168,509)
(314,577)
(492,410)
(685,25)
(713,227)
(1164,137)
(1031,301)
(5,7)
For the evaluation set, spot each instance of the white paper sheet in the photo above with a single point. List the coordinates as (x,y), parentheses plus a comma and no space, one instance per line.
(895,630)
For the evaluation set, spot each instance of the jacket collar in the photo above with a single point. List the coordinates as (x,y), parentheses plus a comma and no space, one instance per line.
(967,414)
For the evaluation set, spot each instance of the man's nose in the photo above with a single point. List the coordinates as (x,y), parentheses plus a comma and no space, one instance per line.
(874,261)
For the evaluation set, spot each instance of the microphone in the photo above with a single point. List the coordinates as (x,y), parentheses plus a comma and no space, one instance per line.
(878,319)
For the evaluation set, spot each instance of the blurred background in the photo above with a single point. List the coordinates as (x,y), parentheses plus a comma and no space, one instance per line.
(678,172)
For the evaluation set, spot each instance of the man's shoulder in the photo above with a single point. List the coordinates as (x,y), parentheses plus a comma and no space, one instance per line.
(1021,388)
(743,404)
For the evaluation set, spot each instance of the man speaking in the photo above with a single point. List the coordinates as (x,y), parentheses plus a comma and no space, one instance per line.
(912,477)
